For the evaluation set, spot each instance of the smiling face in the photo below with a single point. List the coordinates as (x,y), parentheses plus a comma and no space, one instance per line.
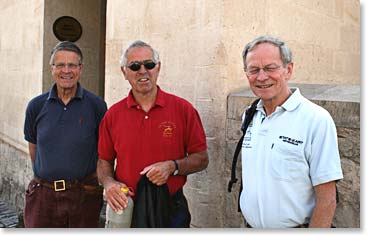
(270,86)
(144,81)
(66,77)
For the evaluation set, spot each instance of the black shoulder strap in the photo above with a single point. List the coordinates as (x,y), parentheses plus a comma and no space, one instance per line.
(248,118)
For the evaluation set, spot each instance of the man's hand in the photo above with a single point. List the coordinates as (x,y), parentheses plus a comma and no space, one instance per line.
(158,173)
(115,198)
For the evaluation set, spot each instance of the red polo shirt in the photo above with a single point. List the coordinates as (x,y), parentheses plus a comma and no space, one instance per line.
(171,129)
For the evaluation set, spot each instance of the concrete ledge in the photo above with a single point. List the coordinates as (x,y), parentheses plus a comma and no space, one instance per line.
(344,93)
(342,102)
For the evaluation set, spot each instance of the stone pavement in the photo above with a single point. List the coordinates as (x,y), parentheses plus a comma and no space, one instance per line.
(8,217)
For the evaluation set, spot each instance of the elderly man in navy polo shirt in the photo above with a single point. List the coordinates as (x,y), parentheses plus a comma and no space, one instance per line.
(61,127)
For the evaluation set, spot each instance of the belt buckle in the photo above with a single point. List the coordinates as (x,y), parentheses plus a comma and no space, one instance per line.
(56,183)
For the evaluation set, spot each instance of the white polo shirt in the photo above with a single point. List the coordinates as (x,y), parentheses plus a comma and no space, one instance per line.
(283,156)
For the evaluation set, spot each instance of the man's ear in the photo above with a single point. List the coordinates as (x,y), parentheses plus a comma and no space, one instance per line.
(159,66)
(289,71)
(123,71)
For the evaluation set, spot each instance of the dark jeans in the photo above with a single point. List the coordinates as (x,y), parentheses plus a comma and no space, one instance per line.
(72,208)
(180,215)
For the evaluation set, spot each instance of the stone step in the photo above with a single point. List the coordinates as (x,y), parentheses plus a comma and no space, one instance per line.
(8,217)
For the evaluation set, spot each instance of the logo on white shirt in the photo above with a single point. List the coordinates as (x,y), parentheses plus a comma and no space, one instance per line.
(290,140)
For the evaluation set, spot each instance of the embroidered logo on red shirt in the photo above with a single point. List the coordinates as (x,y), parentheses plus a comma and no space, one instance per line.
(167,129)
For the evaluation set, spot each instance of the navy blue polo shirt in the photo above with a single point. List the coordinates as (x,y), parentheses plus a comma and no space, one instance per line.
(66,136)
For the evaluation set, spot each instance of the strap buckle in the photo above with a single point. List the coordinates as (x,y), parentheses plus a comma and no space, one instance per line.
(59,185)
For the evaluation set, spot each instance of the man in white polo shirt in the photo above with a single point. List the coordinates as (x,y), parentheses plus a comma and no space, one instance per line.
(290,158)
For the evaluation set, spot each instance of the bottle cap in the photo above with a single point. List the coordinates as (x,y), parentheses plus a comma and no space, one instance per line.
(125,190)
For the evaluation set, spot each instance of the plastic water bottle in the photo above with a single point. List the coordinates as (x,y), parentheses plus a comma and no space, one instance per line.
(121,218)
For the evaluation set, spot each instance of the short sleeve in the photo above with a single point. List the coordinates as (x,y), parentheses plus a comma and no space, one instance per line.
(324,158)
(195,135)
(105,144)
(30,131)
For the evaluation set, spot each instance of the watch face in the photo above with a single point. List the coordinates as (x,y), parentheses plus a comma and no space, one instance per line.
(175,172)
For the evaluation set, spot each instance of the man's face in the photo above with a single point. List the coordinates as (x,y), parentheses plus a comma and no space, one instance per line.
(144,80)
(66,69)
(271,84)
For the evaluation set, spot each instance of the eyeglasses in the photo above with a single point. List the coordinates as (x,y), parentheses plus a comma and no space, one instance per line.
(268,70)
(148,64)
(71,66)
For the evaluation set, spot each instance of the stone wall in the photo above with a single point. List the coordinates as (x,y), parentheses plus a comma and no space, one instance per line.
(21,46)
(343,103)
(20,64)
(16,173)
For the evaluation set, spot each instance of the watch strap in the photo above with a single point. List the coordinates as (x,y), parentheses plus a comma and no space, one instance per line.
(176,167)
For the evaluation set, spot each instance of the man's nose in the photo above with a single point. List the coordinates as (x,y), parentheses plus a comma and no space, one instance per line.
(262,75)
(142,69)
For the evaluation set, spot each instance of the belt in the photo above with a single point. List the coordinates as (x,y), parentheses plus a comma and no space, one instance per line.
(62,185)
(299,226)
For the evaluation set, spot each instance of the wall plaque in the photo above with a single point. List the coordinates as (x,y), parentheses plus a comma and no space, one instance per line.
(67,28)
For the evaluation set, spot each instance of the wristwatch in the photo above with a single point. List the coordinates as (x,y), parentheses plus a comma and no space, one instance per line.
(176,170)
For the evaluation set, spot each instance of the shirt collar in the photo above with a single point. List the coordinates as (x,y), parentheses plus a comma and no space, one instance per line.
(293,101)
(290,104)
(53,92)
(159,101)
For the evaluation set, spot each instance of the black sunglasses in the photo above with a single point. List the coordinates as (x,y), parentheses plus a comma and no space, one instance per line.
(148,64)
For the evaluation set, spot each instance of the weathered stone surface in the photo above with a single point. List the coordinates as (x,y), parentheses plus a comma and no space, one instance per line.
(15,175)
(349,144)
(348,209)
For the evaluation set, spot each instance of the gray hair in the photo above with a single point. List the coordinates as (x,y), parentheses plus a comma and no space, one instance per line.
(285,52)
(138,43)
(66,46)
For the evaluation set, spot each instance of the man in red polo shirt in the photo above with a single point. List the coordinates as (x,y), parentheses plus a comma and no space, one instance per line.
(149,132)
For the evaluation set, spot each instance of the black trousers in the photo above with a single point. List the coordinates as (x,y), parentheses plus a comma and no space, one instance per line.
(180,215)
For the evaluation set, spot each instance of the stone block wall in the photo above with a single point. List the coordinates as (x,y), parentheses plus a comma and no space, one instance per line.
(21,64)
(343,103)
